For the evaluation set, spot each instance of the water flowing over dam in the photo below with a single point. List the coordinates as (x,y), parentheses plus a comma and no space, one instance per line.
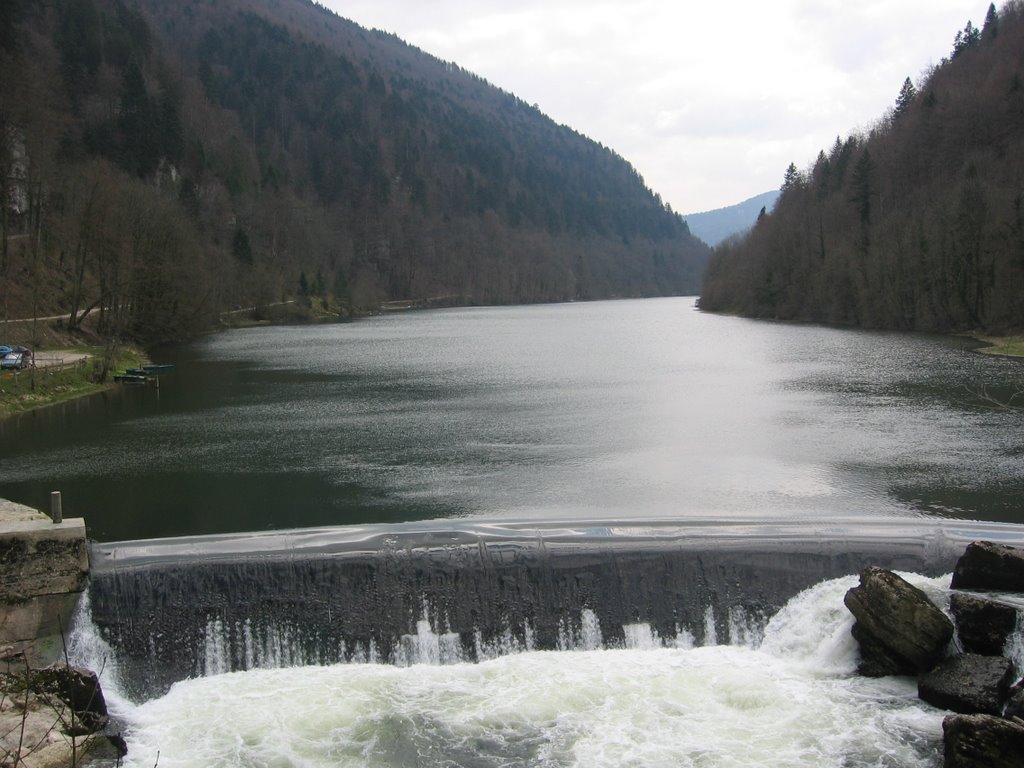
(452,591)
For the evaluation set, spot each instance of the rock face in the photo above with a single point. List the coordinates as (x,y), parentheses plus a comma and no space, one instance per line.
(983,625)
(983,741)
(899,630)
(970,684)
(985,565)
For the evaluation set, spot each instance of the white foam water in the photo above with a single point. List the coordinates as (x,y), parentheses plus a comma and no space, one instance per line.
(787,698)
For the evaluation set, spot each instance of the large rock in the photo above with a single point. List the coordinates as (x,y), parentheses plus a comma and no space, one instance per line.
(35,732)
(80,690)
(985,565)
(903,621)
(983,741)
(970,684)
(983,625)
(875,659)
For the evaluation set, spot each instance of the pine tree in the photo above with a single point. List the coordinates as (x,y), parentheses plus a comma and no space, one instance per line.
(240,247)
(863,186)
(10,13)
(991,27)
(968,37)
(792,178)
(907,95)
(138,124)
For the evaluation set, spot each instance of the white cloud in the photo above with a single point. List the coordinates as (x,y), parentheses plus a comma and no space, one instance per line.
(710,102)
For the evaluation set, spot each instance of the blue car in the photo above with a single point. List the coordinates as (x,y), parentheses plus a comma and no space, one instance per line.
(5,350)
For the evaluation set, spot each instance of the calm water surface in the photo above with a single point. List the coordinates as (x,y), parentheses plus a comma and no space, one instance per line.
(625,409)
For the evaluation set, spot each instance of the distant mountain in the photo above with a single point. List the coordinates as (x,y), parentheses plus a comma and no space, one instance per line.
(171,159)
(722,223)
(916,224)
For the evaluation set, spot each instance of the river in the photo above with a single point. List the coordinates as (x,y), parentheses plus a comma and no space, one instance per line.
(609,409)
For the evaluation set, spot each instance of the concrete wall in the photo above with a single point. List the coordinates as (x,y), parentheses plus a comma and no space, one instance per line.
(43,569)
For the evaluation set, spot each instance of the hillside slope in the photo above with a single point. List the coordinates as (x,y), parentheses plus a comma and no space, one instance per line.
(168,160)
(917,225)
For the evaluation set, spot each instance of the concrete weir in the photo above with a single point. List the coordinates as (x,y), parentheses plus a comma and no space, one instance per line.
(44,567)
(176,608)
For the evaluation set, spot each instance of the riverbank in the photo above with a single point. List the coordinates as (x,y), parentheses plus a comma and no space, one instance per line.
(1003,346)
(308,311)
(60,375)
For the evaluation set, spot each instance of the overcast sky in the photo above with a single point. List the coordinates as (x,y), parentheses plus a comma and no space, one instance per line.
(709,101)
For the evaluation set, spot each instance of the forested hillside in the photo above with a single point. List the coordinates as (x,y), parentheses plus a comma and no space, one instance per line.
(164,161)
(919,224)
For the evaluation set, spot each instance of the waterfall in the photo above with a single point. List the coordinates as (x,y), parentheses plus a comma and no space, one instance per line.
(183,608)
(788,699)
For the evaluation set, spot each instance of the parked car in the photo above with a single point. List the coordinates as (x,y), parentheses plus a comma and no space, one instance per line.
(14,361)
(5,350)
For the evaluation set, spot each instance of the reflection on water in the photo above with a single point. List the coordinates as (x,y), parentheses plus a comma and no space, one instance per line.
(643,408)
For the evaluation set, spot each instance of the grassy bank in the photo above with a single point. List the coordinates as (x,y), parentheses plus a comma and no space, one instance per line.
(305,311)
(1008,346)
(42,386)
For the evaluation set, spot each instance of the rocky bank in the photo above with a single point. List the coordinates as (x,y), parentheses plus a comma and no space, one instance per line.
(962,664)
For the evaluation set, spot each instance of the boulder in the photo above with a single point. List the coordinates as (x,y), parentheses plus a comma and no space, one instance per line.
(80,690)
(901,618)
(983,741)
(969,684)
(985,565)
(875,659)
(983,625)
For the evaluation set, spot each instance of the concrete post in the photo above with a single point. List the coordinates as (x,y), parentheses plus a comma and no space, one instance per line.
(56,513)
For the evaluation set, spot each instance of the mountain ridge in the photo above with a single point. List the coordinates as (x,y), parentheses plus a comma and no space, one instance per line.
(282,151)
(718,224)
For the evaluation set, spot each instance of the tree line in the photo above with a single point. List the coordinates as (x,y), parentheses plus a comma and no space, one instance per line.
(916,224)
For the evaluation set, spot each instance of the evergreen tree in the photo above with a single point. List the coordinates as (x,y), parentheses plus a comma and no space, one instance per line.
(79,41)
(240,247)
(10,12)
(991,27)
(138,124)
(969,37)
(863,188)
(792,179)
(907,95)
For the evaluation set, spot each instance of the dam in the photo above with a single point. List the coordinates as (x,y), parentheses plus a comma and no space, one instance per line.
(466,591)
